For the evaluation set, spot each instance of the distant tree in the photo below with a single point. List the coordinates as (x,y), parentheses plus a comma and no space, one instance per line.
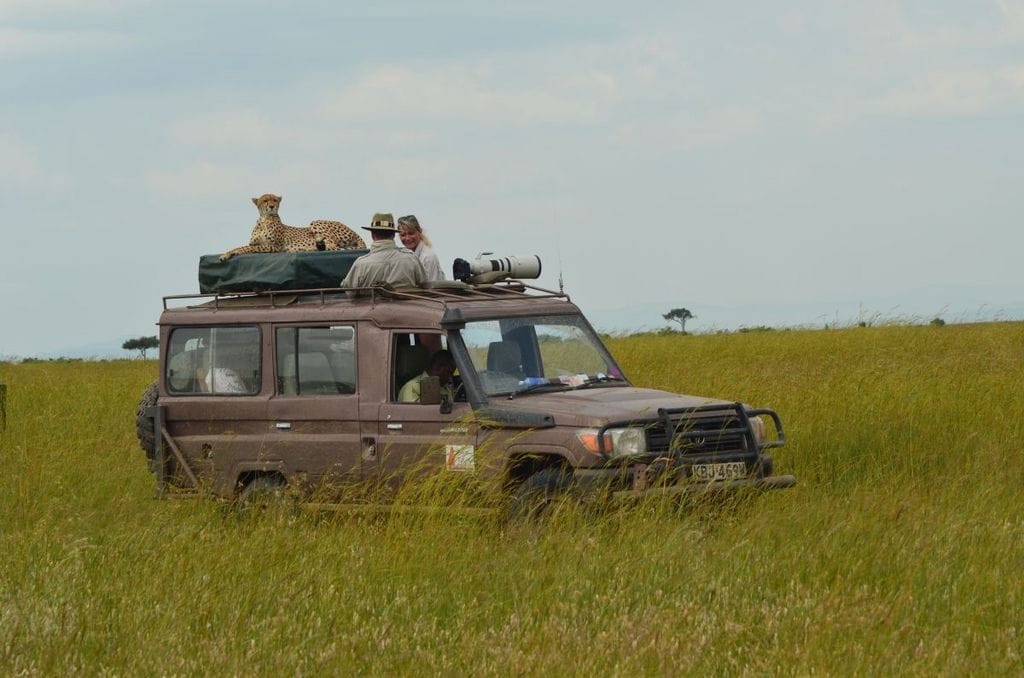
(679,315)
(141,344)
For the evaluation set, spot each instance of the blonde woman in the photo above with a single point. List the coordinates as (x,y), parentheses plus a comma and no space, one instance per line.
(416,241)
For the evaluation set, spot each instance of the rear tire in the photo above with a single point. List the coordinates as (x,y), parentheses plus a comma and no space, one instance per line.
(535,496)
(265,495)
(144,425)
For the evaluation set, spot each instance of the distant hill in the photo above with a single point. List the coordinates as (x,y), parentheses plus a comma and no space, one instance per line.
(104,350)
(953,305)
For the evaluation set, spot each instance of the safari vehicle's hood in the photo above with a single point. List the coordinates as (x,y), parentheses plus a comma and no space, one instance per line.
(598,405)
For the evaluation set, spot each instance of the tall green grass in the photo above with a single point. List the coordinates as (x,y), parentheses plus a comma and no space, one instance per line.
(899,551)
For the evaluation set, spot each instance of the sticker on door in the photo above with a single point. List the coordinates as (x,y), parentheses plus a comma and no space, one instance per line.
(459,458)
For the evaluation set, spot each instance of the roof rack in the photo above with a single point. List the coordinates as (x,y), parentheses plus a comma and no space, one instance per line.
(438,293)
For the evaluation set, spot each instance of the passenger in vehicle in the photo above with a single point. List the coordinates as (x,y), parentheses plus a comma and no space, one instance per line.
(386,263)
(223,380)
(217,379)
(442,366)
(416,241)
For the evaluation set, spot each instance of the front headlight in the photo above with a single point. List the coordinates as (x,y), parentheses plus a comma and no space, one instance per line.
(618,442)
(757,424)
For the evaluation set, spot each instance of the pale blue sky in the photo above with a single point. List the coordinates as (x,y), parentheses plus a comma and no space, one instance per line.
(780,156)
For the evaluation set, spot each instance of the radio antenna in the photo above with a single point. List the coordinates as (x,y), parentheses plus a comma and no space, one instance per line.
(558,251)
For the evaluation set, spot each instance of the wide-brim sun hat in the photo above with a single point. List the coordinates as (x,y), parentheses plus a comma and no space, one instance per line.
(382,221)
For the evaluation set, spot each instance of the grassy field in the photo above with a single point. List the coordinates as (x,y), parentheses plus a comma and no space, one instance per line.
(900,551)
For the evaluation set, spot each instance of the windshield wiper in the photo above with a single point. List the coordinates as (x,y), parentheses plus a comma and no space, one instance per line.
(600,379)
(535,385)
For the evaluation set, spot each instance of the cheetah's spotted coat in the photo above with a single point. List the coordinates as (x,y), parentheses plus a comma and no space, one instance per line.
(271,235)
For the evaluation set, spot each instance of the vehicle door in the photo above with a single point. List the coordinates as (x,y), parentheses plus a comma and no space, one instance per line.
(417,438)
(215,407)
(314,411)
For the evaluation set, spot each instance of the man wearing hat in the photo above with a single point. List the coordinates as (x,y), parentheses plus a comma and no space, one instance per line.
(386,262)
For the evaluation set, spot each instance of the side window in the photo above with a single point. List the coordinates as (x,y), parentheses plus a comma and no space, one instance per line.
(411,357)
(316,360)
(214,360)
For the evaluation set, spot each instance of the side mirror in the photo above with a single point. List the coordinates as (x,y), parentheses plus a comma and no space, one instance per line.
(430,391)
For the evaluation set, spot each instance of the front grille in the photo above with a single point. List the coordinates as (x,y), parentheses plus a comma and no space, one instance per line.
(708,431)
(723,434)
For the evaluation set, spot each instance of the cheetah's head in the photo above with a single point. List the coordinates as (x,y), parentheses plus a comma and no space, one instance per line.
(267,204)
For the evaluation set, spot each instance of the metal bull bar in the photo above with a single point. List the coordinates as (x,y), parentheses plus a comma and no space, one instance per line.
(676,420)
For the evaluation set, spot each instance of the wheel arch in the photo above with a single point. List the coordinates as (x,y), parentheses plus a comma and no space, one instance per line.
(244,473)
(527,460)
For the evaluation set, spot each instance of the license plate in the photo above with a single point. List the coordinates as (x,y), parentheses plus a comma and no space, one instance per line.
(733,470)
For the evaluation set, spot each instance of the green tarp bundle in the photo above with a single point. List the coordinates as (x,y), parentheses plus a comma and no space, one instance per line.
(275,271)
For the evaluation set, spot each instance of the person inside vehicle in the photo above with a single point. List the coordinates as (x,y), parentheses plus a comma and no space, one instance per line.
(386,263)
(217,379)
(416,241)
(442,366)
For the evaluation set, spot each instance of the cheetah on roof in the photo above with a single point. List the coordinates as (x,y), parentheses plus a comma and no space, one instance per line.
(270,234)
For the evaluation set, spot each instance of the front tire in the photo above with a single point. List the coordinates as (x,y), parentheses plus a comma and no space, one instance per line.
(535,496)
(265,495)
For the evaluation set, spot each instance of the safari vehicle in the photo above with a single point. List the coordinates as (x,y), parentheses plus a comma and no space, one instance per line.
(300,388)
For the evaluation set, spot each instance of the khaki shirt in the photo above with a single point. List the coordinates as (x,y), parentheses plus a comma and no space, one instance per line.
(386,263)
(410,392)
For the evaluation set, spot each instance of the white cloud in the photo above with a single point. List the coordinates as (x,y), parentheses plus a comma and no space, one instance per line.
(473,93)
(204,178)
(22,169)
(1013,13)
(405,125)
(687,130)
(961,62)
(238,128)
(19,162)
(58,35)
(209,179)
(889,29)
(18,9)
(21,42)
(575,85)
(293,131)
(956,93)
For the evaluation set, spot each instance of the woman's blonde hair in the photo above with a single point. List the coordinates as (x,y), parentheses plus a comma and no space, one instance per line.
(411,221)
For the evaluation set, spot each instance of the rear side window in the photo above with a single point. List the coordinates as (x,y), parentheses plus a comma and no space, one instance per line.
(316,360)
(214,360)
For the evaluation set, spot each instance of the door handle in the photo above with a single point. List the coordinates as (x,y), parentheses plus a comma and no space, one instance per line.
(394,427)
(283,426)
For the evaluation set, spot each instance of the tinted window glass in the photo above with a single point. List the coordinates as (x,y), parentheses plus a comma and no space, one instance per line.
(316,360)
(214,360)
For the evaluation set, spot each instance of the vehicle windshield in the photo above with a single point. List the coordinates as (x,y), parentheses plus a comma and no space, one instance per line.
(518,355)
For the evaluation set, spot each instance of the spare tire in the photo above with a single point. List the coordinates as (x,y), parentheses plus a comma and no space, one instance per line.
(144,425)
